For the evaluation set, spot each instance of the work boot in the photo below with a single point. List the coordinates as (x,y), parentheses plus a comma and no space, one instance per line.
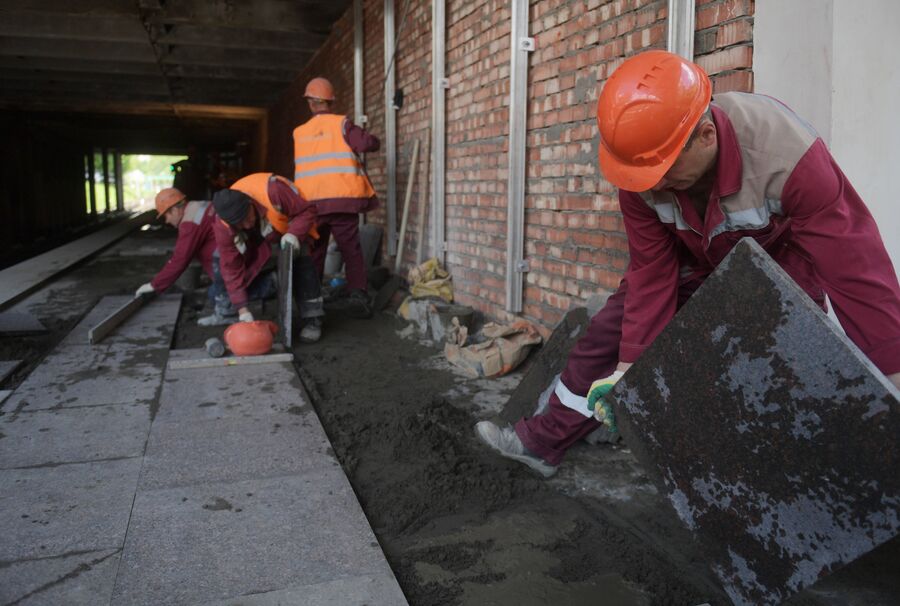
(216,319)
(358,305)
(311,331)
(507,444)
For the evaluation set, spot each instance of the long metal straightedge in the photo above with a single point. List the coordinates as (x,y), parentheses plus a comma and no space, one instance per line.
(286,295)
(113,320)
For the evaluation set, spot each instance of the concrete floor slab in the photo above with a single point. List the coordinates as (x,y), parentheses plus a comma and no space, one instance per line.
(369,590)
(151,326)
(49,511)
(220,541)
(231,391)
(232,448)
(80,579)
(91,376)
(73,435)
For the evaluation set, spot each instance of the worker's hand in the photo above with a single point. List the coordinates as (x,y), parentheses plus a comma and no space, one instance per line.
(603,412)
(292,241)
(143,290)
(244,315)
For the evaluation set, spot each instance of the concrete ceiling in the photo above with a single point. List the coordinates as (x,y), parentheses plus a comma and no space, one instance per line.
(112,55)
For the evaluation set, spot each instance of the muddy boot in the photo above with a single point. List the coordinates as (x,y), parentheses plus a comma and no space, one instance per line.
(507,444)
(358,305)
(311,331)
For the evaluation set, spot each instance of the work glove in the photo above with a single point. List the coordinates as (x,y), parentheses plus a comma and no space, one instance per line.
(292,241)
(603,411)
(143,290)
(245,316)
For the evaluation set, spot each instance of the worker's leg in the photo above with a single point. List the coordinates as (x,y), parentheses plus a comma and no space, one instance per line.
(319,248)
(306,286)
(594,356)
(345,227)
(221,302)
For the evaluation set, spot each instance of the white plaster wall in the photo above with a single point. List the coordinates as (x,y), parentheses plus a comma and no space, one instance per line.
(837,64)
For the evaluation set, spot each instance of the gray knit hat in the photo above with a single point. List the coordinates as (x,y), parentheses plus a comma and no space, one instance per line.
(231,205)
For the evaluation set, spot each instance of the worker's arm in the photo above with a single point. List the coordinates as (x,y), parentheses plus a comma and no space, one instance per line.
(231,264)
(832,228)
(301,214)
(187,245)
(652,277)
(359,139)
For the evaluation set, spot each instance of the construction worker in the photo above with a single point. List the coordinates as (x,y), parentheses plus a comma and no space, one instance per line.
(257,211)
(194,222)
(329,172)
(695,175)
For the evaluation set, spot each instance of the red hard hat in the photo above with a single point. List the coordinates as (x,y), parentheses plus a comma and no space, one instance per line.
(166,199)
(250,338)
(319,88)
(646,113)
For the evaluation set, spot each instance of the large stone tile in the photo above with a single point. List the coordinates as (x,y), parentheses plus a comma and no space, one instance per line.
(56,510)
(80,579)
(233,448)
(230,391)
(91,376)
(370,590)
(774,438)
(216,541)
(152,326)
(73,435)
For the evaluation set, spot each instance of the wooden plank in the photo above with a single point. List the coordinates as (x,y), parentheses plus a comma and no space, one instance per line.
(229,361)
(26,277)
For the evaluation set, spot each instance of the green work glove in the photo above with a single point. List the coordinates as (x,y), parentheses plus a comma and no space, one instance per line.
(602,410)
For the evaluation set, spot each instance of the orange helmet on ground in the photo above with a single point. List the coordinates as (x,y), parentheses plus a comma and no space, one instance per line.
(166,199)
(319,88)
(250,338)
(646,113)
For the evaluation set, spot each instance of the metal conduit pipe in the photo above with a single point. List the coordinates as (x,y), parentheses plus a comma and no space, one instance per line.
(681,28)
(390,127)
(359,116)
(520,45)
(439,86)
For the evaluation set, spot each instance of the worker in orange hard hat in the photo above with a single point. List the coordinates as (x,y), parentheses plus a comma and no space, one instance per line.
(256,212)
(194,221)
(328,171)
(695,175)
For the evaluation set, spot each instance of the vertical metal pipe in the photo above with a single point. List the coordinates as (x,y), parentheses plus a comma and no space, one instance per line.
(681,28)
(390,127)
(120,185)
(439,87)
(105,180)
(358,75)
(520,45)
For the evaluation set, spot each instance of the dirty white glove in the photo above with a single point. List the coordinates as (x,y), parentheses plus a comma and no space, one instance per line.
(143,289)
(245,316)
(603,412)
(292,241)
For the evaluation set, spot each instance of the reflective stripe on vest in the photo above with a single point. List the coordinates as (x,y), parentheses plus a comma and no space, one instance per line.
(257,187)
(325,166)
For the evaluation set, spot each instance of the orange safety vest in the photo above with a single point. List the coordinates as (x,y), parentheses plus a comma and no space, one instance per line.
(257,187)
(324,165)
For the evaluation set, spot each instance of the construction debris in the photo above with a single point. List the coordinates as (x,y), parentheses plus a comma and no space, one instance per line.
(503,350)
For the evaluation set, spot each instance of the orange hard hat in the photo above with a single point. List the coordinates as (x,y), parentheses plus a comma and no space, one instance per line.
(319,88)
(166,199)
(250,338)
(646,113)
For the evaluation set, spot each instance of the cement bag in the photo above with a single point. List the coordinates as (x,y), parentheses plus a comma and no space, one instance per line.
(430,280)
(504,349)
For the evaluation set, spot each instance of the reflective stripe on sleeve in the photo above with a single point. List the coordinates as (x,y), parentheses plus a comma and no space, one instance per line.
(577,403)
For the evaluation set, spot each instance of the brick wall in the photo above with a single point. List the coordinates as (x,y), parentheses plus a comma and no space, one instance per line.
(574,239)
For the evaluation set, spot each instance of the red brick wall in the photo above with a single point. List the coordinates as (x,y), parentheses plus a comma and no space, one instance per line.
(574,239)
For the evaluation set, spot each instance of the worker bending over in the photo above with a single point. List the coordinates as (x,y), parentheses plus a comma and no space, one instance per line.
(196,240)
(257,211)
(329,172)
(695,175)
